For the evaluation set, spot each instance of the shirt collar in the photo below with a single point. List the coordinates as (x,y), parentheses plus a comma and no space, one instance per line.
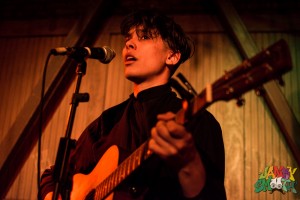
(152,93)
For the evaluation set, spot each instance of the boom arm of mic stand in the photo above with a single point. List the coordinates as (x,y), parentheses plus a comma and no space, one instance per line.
(62,174)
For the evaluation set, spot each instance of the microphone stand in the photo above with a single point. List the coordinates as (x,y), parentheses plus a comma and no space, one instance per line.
(62,175)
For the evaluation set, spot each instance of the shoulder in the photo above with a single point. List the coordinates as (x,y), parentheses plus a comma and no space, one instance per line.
(103,124)
(115,111)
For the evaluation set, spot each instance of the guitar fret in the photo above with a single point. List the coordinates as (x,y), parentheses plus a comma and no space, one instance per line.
(145,152)
(96,195)
(126,164)
(99,191)
(135,155)
(102,192)
(109,185)
(139,157)
(104,187)
(107,188)
(129,164)
(122,172)
(114,181)
(132,165)
(118,175)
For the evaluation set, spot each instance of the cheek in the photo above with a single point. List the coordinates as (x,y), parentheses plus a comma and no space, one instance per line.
(160,55)
(123,53)
(162,59)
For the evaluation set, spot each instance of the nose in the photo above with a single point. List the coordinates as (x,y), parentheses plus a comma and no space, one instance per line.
(130,44)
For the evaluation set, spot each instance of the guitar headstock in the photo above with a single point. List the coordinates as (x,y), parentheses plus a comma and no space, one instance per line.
(252,73)
(269,64)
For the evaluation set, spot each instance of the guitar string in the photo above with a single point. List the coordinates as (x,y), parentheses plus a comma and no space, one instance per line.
(119,174)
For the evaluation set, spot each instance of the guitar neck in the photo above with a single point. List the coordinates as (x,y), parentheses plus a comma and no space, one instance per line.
(124,170)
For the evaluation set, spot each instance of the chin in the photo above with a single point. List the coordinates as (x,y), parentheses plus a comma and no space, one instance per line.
(134,79)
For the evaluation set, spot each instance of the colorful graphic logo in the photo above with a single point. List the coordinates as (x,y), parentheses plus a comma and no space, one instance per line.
(275,178)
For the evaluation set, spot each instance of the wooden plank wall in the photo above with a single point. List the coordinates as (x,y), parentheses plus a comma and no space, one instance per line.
(21,64)
(251,137)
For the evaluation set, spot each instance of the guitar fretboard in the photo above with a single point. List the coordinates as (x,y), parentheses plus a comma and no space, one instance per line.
(123,171)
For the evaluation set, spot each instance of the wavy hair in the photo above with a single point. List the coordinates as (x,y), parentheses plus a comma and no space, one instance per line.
(153,24)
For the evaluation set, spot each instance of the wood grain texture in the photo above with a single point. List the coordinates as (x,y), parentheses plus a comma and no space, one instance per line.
(251,137)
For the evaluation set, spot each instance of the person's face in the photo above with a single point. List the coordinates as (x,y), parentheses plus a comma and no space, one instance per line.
(145,57)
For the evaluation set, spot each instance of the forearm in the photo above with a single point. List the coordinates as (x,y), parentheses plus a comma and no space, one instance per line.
(192,177)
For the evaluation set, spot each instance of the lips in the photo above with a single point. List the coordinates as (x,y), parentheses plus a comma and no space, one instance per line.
(129,59)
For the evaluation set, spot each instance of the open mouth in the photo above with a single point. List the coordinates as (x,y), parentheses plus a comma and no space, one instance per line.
(130,58)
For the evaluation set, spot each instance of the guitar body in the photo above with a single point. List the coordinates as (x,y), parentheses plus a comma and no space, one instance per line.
(83,184)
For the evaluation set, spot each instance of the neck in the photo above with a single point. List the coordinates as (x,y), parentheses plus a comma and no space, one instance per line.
(137,88)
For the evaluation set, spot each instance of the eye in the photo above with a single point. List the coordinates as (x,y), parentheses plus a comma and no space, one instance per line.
(144,37)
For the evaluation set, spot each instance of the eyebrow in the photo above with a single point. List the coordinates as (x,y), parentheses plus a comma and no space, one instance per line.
(128,36)
(129,33)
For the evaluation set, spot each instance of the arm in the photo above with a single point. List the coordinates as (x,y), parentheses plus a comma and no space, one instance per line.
(174,144)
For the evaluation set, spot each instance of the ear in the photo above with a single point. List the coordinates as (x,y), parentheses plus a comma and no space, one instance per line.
(173,58)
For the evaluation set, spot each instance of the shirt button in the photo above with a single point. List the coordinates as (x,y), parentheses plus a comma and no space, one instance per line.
(133,191)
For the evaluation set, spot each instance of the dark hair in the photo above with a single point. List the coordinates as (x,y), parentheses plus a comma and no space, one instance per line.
(153,22)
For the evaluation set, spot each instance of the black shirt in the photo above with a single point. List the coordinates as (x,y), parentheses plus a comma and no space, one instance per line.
(128,125)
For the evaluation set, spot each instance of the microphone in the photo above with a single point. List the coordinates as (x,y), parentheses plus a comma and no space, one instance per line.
(103,54)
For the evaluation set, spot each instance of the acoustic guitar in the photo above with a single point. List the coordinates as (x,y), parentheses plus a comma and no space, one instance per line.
(269,64)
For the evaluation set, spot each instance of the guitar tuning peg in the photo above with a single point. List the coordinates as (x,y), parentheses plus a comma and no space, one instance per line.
(260,91)
(281,81)
(240,101)
(226,75)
